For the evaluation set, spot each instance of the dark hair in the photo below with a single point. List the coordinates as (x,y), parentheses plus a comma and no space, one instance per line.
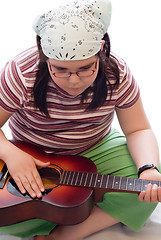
(107,67)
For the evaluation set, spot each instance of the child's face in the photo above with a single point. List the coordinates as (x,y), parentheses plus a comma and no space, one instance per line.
(73,84)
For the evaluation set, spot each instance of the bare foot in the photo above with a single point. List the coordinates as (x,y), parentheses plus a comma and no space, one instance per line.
(46,237)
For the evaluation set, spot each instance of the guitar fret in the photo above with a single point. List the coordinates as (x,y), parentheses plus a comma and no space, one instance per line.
(81,179)
(156,182)
(91,180)
(68,177)
(96,180)
(113,183)
(73,177)
(123,183)
(130,184)
(120,182)
(109,181)
(66,181)
(86,179)
(65,177)
(116,182)
(101,181)
(76,178)
(62,176)
(108,176)
(126,183)
(138,184)
(142,185)
(134,184)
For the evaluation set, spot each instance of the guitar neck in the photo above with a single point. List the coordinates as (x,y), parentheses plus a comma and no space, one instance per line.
(105,182)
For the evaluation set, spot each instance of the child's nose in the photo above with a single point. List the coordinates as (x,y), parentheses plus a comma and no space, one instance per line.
(74,78)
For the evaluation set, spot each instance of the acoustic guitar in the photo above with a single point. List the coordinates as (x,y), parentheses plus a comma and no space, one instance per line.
(72,185)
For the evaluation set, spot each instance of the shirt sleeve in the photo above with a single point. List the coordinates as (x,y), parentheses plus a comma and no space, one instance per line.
(128,91)
(12,88)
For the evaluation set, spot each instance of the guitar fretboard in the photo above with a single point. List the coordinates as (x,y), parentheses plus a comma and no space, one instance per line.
(109,182)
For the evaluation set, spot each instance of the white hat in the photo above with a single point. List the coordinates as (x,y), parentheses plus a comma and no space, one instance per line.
(74,29)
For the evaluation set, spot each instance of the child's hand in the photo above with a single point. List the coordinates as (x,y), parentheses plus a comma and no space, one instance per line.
(23,169)
(153,192)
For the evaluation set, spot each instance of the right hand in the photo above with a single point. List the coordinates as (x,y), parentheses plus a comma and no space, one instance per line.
(23,169)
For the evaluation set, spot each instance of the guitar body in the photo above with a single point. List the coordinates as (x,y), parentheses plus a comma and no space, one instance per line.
(59,204)
(71,185)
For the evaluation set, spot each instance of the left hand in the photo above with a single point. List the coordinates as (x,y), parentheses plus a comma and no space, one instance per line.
(153,192)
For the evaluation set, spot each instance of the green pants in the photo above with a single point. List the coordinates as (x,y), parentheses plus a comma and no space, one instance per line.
(111,156)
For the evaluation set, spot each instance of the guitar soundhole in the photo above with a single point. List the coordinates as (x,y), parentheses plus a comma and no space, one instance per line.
(50,177)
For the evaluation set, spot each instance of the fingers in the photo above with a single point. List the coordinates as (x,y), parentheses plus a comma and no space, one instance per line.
(152,194)
(41,164)
(19,185)
(23,169)
(28,187)
(159,193)
(34,186)
(31,183)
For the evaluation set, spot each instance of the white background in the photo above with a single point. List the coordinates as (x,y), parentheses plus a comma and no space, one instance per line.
(135,34)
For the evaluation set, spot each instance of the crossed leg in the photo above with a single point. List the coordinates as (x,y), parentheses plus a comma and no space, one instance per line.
(98,220)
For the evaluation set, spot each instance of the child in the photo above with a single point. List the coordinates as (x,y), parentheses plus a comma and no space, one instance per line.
(61,96)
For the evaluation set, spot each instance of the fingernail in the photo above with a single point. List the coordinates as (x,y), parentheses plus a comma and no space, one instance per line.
(39,195)
(155,186)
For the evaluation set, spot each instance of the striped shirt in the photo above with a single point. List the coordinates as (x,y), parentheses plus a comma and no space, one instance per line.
(69,129)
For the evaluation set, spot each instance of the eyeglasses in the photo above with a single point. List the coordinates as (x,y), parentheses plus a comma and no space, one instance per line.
(81,74)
